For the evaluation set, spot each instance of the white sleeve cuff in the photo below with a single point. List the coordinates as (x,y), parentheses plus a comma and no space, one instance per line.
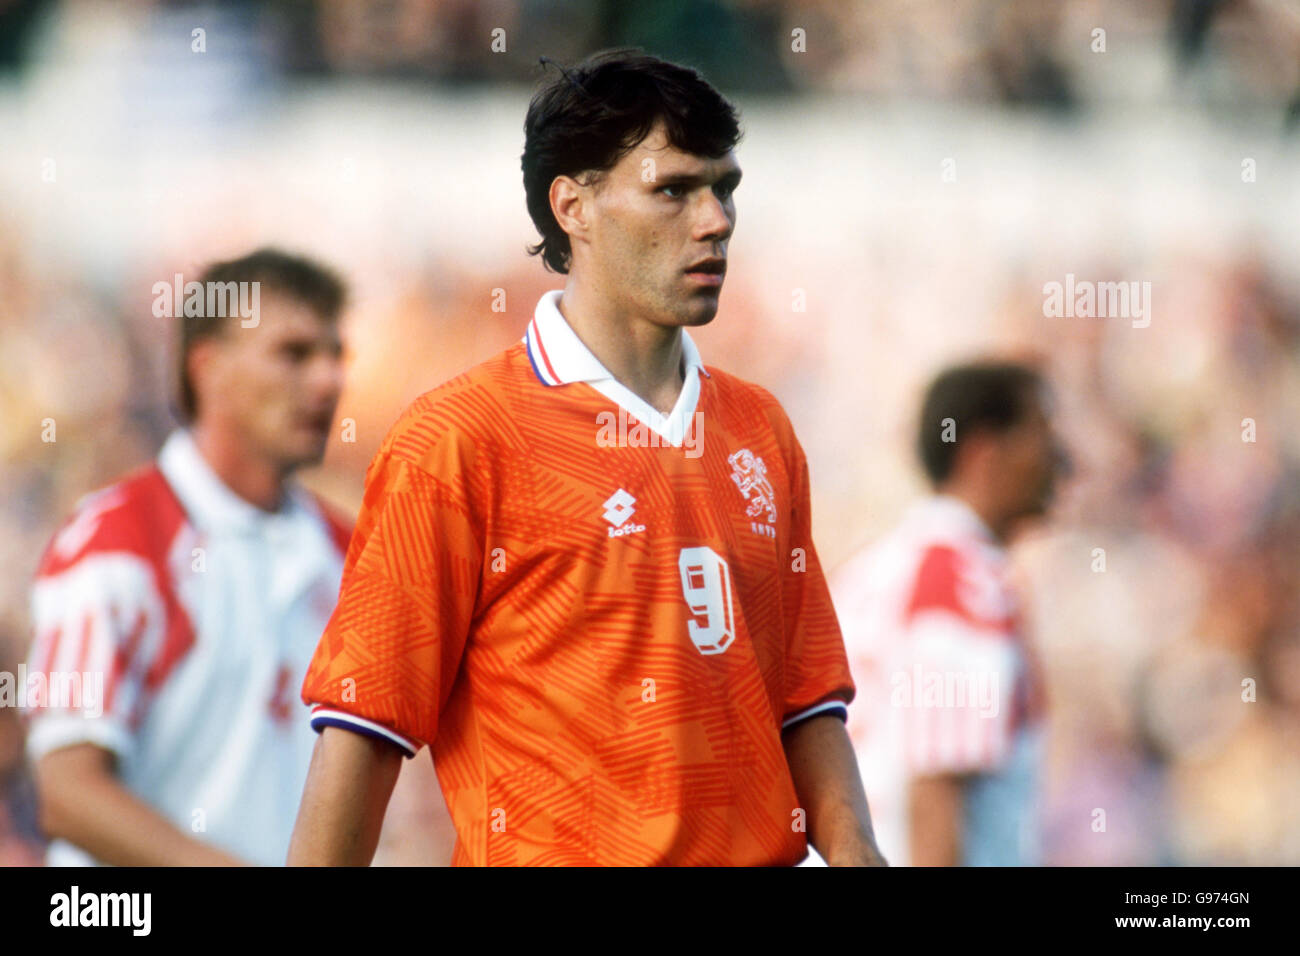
(836,707)
(323,717)
(55,731)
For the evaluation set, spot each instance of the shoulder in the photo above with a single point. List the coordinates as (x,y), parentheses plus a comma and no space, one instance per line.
(137,515)
(953,576)
(733,388)
(937,583)
(459,415)
(109,559)
(754,404)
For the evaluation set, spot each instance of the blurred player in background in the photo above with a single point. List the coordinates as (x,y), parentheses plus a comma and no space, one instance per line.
(620,649)
(20,839)
(195,589)
(948,731)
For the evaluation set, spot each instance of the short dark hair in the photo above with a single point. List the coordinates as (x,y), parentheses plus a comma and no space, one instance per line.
(587,118)
(300,278)
(967,399)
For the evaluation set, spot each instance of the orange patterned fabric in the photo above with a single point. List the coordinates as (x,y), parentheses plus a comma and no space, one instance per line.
(599,637)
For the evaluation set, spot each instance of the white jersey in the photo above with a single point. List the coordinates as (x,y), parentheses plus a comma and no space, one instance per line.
(174,622)
(946,681)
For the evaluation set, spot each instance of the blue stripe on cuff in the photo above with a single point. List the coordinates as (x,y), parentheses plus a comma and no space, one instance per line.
(326,720)
(836,708)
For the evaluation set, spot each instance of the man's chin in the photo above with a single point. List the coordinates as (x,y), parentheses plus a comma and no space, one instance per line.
(701,312)
(1039,510)
(303,453)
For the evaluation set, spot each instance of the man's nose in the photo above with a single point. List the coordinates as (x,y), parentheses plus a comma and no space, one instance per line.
(327,375)
(716,222)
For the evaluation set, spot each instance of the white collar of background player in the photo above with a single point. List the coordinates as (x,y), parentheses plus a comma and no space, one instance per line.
(212,506)
(948,514)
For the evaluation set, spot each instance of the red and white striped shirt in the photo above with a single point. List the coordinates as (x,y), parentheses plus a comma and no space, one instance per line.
(173,626)
(947,682)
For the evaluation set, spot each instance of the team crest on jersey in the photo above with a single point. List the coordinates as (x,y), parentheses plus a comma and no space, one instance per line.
(750,475)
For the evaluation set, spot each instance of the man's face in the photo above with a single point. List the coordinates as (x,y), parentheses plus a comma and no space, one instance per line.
(277,384)
(1029,460)
(659,225)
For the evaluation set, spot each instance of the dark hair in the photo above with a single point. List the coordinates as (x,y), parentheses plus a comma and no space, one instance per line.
(587,118)
(308,282)
(979,396)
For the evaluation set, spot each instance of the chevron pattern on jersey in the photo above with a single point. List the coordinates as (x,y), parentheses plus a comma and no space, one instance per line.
(590,697)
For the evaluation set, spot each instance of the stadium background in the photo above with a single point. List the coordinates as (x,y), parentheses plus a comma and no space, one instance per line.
(384,138)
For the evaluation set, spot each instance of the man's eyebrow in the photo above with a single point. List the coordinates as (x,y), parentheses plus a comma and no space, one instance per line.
(731,177)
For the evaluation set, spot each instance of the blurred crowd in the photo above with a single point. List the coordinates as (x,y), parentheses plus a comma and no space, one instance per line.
(1017,52)
(1173,666)
(1176,670)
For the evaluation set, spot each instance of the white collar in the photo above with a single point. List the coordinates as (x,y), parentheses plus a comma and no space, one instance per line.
(952,514)
(559,357)
(209,502)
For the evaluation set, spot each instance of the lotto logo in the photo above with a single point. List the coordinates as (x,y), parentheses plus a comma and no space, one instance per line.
(618,508)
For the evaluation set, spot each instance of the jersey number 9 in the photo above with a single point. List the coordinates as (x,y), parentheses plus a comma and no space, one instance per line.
(706,586)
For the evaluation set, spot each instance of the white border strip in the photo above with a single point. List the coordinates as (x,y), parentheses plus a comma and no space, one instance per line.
(816,709)
(365,724)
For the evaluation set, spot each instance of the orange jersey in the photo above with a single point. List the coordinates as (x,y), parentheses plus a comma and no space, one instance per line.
(599,617)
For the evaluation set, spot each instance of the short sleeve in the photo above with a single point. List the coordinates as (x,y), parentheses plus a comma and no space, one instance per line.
(817,678)
(98,622)
(392,649)
(958,669)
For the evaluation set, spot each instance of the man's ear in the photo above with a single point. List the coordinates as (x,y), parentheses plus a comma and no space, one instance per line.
(198,362)
(569,199)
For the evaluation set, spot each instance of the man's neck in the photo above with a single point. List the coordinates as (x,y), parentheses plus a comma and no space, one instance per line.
(645,357)
(257,481)
(983,507)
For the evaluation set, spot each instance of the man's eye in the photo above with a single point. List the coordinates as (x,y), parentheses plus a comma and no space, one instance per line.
(665,191)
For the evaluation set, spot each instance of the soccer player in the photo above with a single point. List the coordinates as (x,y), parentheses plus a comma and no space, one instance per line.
(184,602)
(949,740)
(582,574)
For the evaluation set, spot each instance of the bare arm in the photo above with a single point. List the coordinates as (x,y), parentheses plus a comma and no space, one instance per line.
(934,820)
(82,801)
(826,777)
(348,786)
(417,830)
